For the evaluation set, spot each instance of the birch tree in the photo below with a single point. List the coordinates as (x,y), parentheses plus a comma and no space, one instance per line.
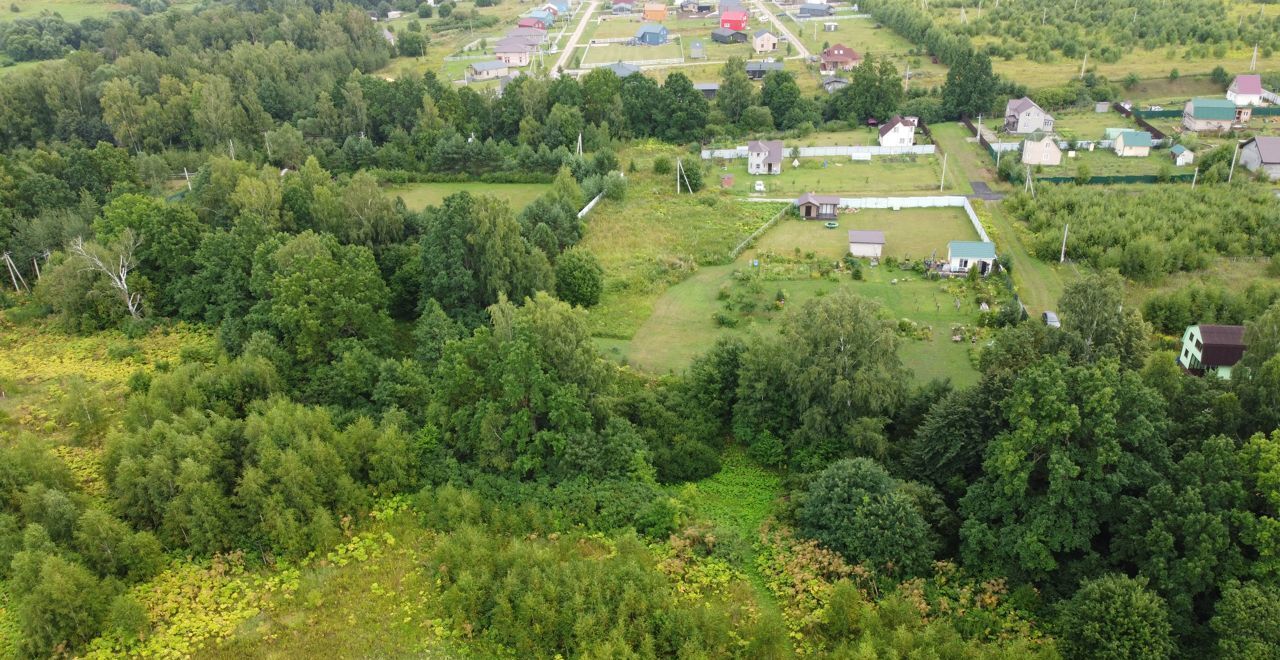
(115,264)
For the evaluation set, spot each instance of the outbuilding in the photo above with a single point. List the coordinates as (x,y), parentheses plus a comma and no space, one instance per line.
(817,207)
(1132,144)
(866,243)
(1182,156)
(963,256)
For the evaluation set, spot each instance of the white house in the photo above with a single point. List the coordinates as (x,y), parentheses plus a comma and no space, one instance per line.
(899,132)
(866,243)
(1211,349)
(1024,116)
(1246,90)
(764,157)
(764,42)
(1182,156)
(1044,151)
(962,256)
(1262,153)
(1132,144)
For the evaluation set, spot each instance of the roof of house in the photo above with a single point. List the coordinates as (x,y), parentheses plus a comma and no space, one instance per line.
(651,28)
(1178,150)
(971,250)
(815,6)
(622,69)
(1220,109)
(866,236)
(1223,344)
(541,15)
(1249,83)
(761,33)
(1135,138)
(812,198)
(834,80)
(528,22)
(1268,148)
(531,33)
(898,120)
(840,53)
(1044,140)
(724,32)
(513,45)
(1019,106)
(772,148)
(654,6)
(489,66)
(764,66)
(623,2)
(733,15)
(707,87)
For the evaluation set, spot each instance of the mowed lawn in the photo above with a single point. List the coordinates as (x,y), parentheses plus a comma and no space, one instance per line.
(610,53)
(418,196)
(1089,125)
(72,11)
(682,326)
(1105,162)
(882,175)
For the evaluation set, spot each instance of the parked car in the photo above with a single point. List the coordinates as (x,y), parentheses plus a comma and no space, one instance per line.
(1051,320)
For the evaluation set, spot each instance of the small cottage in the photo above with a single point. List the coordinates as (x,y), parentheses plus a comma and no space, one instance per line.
(899,132)
(709,90)
(764,157)
(814,9)
(697,51)
(734,19)
(655,11)
(758,70)
(530,23)
(764,42)
(1262,153)
(1246,90)
(1132,144)
(487,70)
(651,34)
(1182,156)
(963,256)
(817,207)
(722,35)
(622,69)
(1024,116)
(866,243)
(1208,115)
(1043,152)
(1211,350)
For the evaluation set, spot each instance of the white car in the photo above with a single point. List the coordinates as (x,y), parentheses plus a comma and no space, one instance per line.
(759,187)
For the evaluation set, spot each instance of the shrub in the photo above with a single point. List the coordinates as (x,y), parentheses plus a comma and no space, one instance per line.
(663,165)
(1115,617)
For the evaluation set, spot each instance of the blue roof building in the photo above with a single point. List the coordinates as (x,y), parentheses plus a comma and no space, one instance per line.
(651,34)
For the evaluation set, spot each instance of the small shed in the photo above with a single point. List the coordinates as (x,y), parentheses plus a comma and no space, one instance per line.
(651,34)
(830,26)
(1102,106)
(722,35)
(818,207)
(866,243)
(965,255)
(1182,156)
(1133,144)
(709,90)
(696,51)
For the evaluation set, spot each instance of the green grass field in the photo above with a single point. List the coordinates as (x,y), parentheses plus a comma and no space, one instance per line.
(1146,64)
(881,176)
(1105,162)
(1089,125)
(71,10)
(865,36)
(610,53)
(682,326)
(418,196)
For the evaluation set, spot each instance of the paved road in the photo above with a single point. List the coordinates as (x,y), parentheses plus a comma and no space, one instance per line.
(782,28)
(982,191)
(573,41)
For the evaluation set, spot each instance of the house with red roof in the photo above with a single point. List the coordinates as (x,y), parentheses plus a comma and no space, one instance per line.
(839,57)
(532,23)
(1246,90)
(735,20)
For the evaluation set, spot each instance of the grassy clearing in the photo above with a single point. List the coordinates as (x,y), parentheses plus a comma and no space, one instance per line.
(610,53)
(908,234)
(682,326)
(1105,162)
(1230,273)
(418,196)
(738,497)
(1039,284)
(968,157)
(1089,125)
(880,176)
(867,37)
(71,10)
(1146,64)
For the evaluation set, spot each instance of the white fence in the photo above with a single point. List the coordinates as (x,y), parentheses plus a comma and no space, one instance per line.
(895,203)
(590,205)
(1270,97)
(818,152)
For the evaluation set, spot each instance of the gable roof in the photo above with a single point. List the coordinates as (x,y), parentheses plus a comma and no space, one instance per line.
(771,148)
(1248,83)
(1019,106)
(1135,138)
(1223,344)
(733,15)
(971,250)
(1268,148)
(707,87)
(1219,109)
(489,66)
(531,33)
(622,69)
(724,32)
(513,45)
(764,66)
(866,236)
(898,120)
(840,53)
(650,28)
(812,198)
(761,33)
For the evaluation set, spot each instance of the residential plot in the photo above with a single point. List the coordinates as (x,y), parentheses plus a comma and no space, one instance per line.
(609,53)
(1085,124)
(839,175)
(870,38)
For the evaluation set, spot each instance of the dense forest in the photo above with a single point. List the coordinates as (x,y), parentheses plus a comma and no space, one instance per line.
(218,172)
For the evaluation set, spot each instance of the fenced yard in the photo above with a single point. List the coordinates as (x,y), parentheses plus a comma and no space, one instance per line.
(841,176)
(610,53)
(1089,125)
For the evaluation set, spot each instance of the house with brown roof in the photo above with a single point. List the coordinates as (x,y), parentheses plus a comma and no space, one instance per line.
(1211,349)
(1262,153)
(899,132)
(764,157)
(817,207)
(839,57)
(655,11)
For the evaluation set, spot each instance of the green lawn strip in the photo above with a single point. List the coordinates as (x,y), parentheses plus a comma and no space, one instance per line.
(1089,125)
(418,196)
(72,11)
(1039,284)
(881,176)
(965,154)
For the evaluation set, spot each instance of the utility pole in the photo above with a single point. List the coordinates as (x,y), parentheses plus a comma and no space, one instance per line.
(1062,257)
(266,137)
(1195,175)
(1253,63)
(1083,64)
(942,180)
(231,148)
(1232,172)
(187,174)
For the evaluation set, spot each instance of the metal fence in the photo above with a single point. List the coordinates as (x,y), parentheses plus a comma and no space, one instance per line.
(818,152)
(1120,178)
(896,203)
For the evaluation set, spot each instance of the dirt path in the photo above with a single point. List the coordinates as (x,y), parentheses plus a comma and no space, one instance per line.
(573,40)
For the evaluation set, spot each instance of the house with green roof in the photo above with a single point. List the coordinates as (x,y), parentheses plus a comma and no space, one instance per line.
(1132,144)
(963,256)
(1208,115)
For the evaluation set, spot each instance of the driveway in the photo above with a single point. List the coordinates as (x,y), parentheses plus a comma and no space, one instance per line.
(984,192)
